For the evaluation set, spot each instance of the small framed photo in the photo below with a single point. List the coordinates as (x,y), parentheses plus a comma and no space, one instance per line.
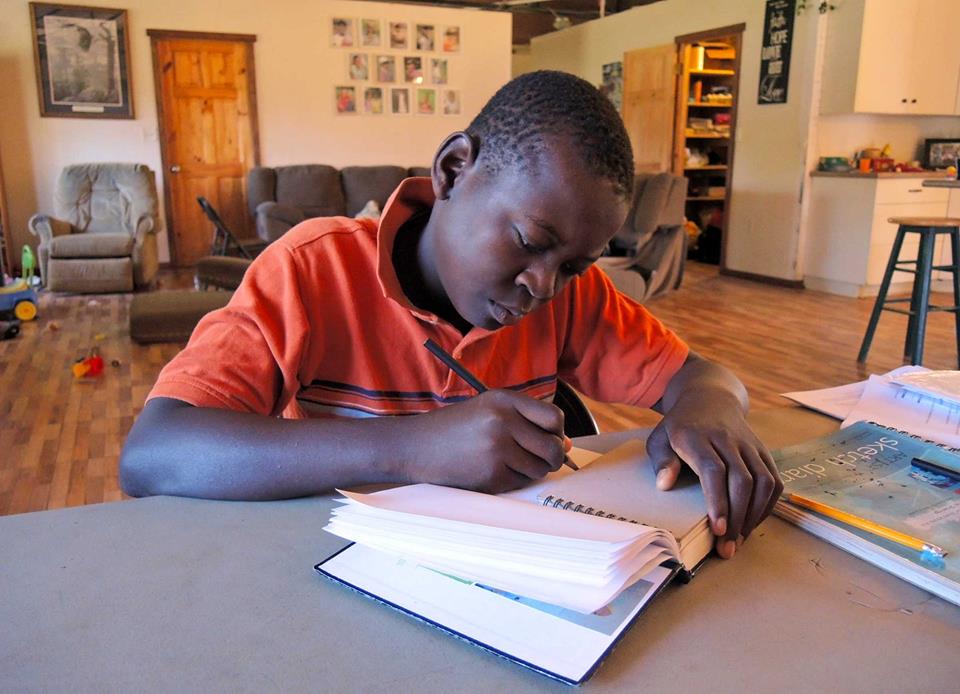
(359,66)
(346,99)
(426,101)
(451,102)
(373,100)
(369,32)
(413,69)
(940,153)
(399,101)
(451,39)
(398,35)
(82,60)
(342,32)
(386,68)
(425,37)
(438,70)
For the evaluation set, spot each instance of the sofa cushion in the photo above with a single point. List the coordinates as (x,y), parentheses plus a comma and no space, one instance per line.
(364,183)
(313,188)
(420,171)
(91,245)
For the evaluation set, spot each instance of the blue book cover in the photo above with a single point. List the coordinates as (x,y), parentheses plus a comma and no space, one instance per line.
(889,477)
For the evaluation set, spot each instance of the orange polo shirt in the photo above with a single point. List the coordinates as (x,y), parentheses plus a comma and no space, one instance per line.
(320,327)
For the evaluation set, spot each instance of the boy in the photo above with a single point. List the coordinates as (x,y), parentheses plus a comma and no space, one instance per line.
(492,258)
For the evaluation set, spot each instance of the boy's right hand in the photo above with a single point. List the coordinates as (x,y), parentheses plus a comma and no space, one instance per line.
(497,441)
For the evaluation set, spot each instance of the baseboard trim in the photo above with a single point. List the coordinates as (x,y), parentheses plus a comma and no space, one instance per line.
(753,277)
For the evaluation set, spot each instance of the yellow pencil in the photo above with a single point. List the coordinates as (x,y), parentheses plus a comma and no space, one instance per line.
(864,524)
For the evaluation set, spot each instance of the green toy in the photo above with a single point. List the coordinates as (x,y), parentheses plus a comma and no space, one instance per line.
(29,263)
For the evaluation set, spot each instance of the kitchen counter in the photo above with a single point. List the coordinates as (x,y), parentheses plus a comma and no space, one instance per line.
(933,175)
(942,183)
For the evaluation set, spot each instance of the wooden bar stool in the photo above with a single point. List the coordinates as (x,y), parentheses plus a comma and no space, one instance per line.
(922,269)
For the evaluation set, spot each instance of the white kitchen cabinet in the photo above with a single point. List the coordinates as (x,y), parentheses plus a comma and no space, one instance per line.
(892,56)
(849,238)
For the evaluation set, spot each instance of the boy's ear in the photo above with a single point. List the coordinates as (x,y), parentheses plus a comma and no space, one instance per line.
(456,155)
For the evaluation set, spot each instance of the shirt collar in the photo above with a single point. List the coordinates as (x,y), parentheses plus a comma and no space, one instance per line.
(410,197)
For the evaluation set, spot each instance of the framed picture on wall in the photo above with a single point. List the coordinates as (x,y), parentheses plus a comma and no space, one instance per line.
(426,102)
(425,37)
(359,66)
(369,32)
(451,39)
(386,68)
(413,69)
(342,32)
(398,35)
(373,100)
(346,99)
(451,102)
(399,101)
(82,59)
(438,70)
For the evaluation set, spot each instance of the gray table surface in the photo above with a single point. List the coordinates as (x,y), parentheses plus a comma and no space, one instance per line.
(168,594)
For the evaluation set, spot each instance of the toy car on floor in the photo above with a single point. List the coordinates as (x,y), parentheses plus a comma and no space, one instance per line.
(18,300)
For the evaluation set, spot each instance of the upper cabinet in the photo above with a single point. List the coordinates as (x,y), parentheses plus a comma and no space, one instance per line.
(892,56)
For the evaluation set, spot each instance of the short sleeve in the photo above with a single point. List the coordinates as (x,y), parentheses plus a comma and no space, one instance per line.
(614,349)
(247,355)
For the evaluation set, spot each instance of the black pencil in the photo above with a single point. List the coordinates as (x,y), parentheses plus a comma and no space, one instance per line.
(475,383)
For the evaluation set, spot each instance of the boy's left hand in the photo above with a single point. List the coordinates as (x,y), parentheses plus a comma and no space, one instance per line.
(705,428)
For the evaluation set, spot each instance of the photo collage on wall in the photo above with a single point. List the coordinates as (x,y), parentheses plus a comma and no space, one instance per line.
(398,68)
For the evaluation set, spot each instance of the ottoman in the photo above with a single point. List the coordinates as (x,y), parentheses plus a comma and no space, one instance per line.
(170,316)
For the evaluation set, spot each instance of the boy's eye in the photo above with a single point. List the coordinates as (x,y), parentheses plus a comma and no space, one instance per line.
(526,245)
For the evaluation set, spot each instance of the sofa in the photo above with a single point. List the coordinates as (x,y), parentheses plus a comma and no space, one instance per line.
(102,234)
(647,255)
(283,196)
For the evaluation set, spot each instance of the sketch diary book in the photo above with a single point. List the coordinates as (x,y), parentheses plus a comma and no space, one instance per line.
(521,574)
(890,477)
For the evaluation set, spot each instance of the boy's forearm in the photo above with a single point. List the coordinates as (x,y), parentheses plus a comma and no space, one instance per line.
(699,377)
(178,449)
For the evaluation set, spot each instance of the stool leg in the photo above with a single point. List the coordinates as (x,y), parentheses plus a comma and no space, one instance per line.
(955,259)
(881,295)
(922,294)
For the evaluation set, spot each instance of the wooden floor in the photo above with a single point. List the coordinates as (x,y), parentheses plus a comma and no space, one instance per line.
(60,438)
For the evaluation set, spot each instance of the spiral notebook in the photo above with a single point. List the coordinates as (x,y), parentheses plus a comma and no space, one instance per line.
(891,477)
(445,530)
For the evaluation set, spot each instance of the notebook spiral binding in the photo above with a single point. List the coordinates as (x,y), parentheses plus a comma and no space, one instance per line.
(918,438)
(565,505)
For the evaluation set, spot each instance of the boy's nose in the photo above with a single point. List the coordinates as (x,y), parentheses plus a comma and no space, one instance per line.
(540,282)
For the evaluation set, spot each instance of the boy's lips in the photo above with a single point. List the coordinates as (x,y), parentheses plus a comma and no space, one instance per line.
(505,315)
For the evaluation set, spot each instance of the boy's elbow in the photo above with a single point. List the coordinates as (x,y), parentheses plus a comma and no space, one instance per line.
(135,473)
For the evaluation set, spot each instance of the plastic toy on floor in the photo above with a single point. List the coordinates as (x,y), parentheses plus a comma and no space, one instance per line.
(89,367)
(18,300)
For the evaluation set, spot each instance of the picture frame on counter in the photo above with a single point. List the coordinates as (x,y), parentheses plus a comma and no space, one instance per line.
(939,153)
(82,60)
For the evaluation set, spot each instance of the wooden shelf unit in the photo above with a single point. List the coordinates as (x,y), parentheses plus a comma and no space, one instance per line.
(708,63)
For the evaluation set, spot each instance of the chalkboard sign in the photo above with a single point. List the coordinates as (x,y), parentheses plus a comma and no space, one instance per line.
(775,53)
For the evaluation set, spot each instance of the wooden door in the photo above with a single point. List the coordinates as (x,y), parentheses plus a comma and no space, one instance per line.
(206,103)
(649,94)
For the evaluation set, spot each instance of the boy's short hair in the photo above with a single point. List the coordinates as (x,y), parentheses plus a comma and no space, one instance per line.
(513,127)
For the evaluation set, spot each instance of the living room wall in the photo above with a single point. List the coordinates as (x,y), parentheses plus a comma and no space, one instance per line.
(296,70)
(771,140)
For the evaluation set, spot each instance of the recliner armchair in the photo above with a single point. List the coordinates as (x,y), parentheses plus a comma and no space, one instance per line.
(102,237)
(649,251)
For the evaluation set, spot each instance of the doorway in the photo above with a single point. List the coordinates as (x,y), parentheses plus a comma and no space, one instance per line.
(705,128)
(207,114)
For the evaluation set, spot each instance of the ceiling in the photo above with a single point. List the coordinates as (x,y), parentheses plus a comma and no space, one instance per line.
(535,17)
